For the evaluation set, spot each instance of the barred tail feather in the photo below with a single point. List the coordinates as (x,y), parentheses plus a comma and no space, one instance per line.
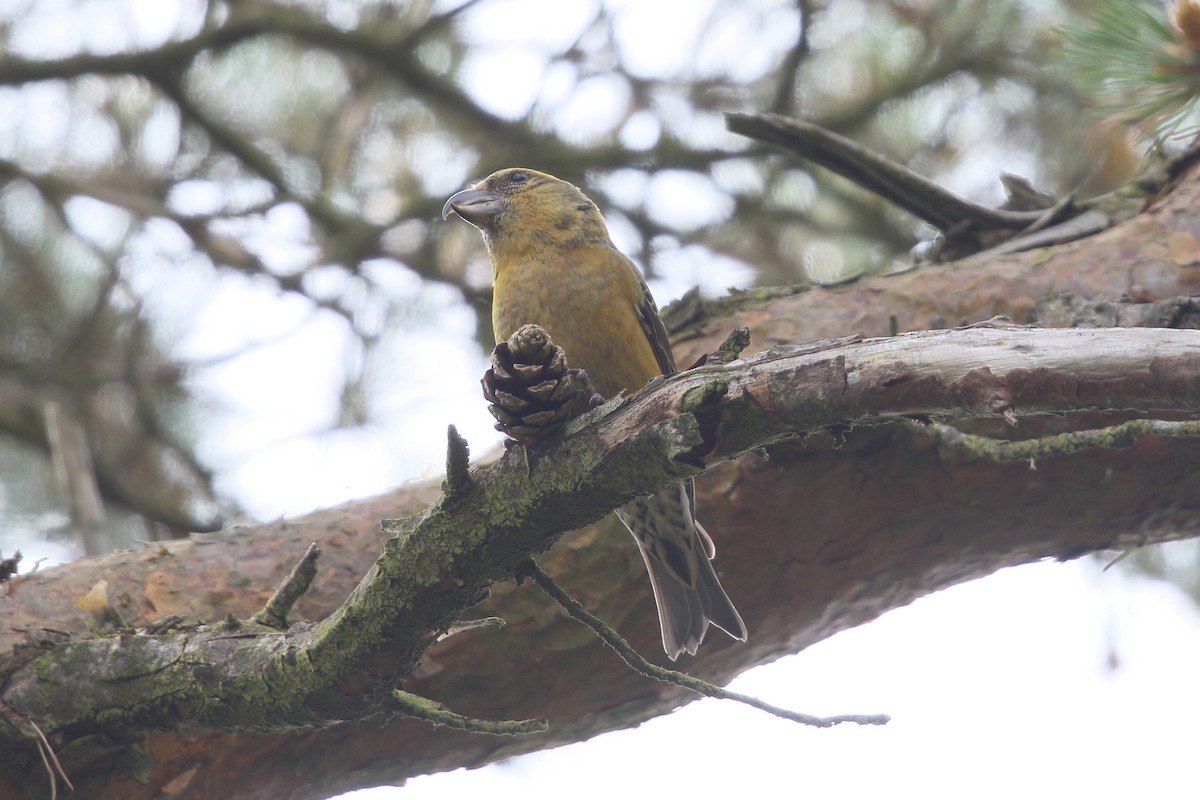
(677,552)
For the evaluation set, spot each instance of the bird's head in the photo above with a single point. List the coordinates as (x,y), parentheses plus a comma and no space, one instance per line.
(519,203)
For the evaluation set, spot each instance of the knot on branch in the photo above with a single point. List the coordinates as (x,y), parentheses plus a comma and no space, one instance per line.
(729,351)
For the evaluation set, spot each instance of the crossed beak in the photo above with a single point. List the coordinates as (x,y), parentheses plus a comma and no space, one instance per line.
(476,206)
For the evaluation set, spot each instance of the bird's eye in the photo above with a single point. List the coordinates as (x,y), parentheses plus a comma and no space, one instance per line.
(518,177)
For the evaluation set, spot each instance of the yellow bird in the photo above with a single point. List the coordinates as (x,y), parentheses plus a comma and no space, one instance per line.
(554,265)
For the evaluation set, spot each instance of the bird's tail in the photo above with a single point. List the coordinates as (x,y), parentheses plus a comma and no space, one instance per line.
(678,554)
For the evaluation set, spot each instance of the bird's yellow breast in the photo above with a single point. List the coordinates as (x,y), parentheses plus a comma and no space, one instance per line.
(587,298)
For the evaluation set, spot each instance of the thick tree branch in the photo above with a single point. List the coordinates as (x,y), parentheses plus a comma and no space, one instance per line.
(241,677)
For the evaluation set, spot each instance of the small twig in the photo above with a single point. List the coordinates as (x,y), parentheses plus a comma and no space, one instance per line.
(49,772)
(644,667)
(458,465)
(1124,555)
(45,750)
(274,613)
(1086,224)
(413,705)
(1117,436)
(1051,215)
(470,625)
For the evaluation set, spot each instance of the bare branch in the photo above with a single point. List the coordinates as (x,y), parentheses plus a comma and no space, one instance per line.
(675,677)
(1123,435)
(418,707)
(274,613)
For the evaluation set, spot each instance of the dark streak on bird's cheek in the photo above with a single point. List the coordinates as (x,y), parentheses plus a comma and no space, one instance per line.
(499,221)
(565,222)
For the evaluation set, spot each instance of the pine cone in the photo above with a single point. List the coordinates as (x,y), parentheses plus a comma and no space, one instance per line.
(531,390)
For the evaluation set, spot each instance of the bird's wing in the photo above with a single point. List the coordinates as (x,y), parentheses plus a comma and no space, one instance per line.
(652,326)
